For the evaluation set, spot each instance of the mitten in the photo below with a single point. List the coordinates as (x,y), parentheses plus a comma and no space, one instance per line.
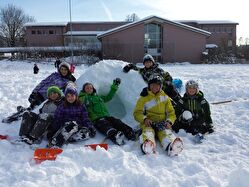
(117,81)
(127,68)
(92,131)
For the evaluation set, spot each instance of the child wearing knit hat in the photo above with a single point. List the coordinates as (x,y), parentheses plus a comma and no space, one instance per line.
(34,126)
(71,120)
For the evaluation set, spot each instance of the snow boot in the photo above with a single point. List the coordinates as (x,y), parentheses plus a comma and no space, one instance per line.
(198,138)
(119,138)
(148,147)
(175,147)
(63,134)
(82,134)
(134,134)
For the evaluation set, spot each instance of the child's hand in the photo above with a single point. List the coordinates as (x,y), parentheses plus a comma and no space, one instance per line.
(92,131)
(117,81)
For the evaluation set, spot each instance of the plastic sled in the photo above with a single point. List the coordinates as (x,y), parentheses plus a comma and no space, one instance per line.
(43,154)
(3,137)
(94,146)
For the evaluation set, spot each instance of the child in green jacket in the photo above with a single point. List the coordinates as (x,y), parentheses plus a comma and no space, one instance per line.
(193,111)
(108,125)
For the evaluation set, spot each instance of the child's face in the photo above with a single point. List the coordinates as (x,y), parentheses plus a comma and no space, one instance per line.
(191,91)
(155,88)
(53,96)
(63,71)
(89,89)
(71,98)
(148,63)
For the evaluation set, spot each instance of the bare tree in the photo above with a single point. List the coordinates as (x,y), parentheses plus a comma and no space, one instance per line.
(12,20)
(132,17)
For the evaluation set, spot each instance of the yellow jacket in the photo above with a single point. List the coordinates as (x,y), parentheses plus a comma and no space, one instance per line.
(154,107)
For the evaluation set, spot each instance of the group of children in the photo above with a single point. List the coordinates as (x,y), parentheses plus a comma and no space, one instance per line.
(73,117)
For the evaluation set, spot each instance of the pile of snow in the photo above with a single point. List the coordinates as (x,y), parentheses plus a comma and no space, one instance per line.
(221,160)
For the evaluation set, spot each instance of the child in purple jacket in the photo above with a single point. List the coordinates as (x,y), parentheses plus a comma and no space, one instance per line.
(71,122)
(60,79)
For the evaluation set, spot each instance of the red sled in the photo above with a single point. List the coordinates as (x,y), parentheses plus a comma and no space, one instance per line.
(3,137)
(43,154)
(94,146)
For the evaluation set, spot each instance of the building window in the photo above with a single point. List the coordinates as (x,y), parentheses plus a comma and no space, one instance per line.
(51,32)
(229,43)
(153,37)
(39,32)
(33,32)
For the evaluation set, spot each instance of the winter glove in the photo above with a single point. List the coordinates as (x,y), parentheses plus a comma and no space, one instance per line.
(160,126)
(43,116)
(92,131)
(117,81)
(128,67)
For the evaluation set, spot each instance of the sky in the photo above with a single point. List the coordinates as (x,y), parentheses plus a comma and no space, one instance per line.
(117,10)
(222,159)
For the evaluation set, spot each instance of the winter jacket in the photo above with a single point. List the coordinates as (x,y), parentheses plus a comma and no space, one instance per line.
(96,104)
(53,79)
(154,107)
(71,112)
(197,105)
(50,106)
(36,69)
(154,71)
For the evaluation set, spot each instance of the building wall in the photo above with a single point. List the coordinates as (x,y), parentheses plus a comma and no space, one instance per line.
(125,45)
(181,45)
(45,36)
(221,34)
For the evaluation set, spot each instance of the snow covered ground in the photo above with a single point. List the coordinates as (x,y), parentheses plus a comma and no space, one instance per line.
(221,160)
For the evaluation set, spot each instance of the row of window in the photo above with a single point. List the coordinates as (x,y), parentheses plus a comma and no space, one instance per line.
(218,29)
(43,32)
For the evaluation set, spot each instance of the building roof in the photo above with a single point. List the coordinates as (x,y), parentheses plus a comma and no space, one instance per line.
(211,22)
(83,33)
(34,24)
(153,18)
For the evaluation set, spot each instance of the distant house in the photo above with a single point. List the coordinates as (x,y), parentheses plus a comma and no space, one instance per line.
(166,40)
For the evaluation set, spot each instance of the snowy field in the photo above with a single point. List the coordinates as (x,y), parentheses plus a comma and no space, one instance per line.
(221,160)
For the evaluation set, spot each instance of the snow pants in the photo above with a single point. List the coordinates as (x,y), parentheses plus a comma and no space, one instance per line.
(165,136)
(109,126)
(33,126)
(194,127)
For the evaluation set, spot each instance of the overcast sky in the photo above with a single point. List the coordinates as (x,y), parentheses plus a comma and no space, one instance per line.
(117,10)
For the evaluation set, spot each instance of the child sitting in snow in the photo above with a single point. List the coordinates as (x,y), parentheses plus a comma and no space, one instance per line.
(155,113)
(151,69)
(71,122)
(60,79)
(33,126)
(193,111)
(113,128)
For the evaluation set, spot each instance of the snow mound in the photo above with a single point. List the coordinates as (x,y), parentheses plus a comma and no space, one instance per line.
(102,74)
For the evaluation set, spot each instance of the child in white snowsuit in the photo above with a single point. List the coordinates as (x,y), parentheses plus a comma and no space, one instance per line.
(156,115)
(193,111)
(34,126)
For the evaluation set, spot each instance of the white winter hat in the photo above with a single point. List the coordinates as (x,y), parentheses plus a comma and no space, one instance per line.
(65,64)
